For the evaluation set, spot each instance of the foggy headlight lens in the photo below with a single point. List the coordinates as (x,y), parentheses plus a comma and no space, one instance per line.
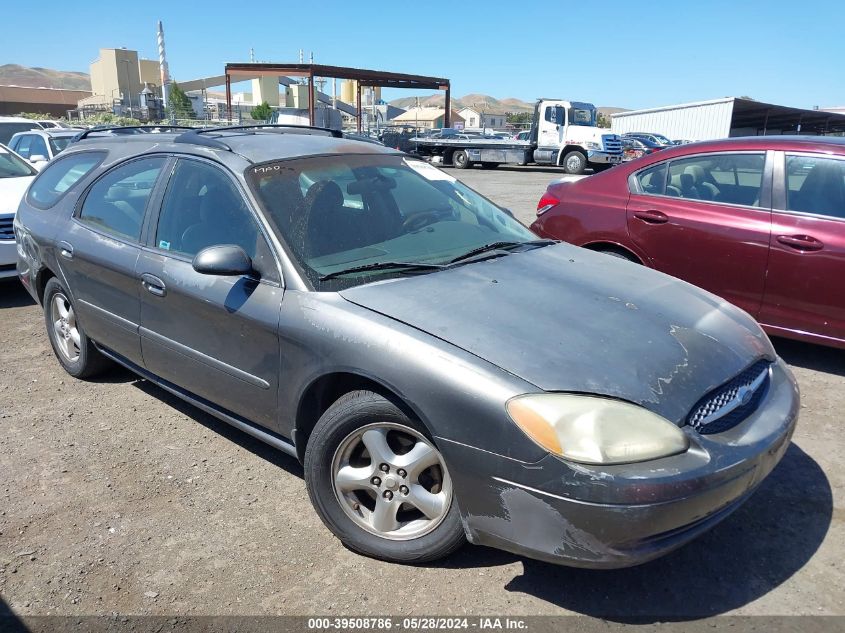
(594,430)
(592,145)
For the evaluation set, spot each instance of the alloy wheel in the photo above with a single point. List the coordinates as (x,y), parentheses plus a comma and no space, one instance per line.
(65,328)
(391,481)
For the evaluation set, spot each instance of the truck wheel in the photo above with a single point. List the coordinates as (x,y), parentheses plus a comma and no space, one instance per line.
(460,159)
(489,165)
(574,162)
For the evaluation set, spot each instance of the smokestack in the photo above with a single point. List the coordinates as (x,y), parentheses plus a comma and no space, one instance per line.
(162,63)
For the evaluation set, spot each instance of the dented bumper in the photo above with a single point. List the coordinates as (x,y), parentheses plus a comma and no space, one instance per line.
(623,515)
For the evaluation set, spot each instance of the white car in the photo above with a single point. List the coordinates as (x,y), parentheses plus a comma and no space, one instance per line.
(15,176)
(55,125)
(41,146)
(10,125)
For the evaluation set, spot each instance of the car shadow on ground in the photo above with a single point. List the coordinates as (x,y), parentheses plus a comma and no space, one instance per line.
(752,552)
(244,440)
(816,357)
(13,294)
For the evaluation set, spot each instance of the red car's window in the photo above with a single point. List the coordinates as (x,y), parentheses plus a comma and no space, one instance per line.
(815,185)
(725,178)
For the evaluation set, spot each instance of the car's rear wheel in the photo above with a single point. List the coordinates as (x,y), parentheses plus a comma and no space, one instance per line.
(460,159)
(70,344)
(613,252)
(379,483)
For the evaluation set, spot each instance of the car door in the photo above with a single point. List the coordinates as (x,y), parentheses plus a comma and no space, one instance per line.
(99,250)
(805,287)
(706,219)
(214,336)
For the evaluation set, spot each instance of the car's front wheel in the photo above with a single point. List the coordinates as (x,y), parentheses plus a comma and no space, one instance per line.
(71,345)
(379,483)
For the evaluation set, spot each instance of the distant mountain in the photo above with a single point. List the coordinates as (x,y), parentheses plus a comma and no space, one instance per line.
(16,75)
(491,105)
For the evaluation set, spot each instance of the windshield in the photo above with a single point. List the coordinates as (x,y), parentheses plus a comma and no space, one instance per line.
(662,139)
(582,116)
(13,167)
(350,211)
(58,143)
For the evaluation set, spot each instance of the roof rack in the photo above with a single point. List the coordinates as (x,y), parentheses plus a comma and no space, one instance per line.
(126,129)
(194,135)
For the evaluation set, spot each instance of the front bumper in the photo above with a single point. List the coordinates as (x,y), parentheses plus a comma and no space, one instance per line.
(8,259)
(624,515)
(605,158)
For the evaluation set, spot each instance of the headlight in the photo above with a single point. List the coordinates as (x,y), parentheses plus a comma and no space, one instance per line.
(592,145)
(595,430)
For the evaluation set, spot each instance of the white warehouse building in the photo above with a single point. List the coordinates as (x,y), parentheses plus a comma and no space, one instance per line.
(722,118)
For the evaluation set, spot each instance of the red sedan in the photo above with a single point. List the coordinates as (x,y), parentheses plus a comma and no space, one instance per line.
(759,221)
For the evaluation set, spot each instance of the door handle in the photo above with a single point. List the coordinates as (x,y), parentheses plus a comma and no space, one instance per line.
(153,285)
(66,250)
(801,242)
(652,216)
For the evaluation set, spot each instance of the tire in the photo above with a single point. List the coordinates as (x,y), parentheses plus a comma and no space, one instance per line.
(489,165)
(618,254)
(348,505)
(74,350)
(574,162)
(460,159)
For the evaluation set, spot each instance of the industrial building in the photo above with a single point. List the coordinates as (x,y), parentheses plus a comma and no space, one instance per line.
(123,84)
(722,118)
(53,101)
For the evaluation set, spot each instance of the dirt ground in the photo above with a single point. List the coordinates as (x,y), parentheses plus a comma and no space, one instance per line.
(117,497)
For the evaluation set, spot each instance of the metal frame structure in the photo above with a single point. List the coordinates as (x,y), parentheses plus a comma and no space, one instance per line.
(375,78)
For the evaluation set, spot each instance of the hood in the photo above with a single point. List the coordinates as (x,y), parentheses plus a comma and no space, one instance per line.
(567,319)
(11,192)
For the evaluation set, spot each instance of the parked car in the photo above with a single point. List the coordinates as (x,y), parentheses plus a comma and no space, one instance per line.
(650,137)
(10,125)
(633,148)
(759,221)
(41,146)
(49,124)
(367,313)
(523,135)
(680,142)
(15,176)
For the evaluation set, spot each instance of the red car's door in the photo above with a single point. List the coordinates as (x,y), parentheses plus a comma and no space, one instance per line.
(706,219)
(805,285)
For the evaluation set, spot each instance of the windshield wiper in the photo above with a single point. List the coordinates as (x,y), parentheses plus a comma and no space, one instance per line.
(402,266)
(499,246)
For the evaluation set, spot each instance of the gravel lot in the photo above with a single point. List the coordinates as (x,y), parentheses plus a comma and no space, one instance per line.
(116,497)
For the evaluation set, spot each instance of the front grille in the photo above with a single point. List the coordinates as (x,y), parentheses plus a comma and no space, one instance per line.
(728,405)
(612,143)
(6,230)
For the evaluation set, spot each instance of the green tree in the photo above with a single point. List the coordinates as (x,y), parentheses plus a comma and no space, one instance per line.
(603,120)
(519,118)
(262,112)
(178,104)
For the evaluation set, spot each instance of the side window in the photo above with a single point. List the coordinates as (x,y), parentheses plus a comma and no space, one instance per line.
(653,180)
(815,185)
(117,201)
(24,143)
(726,178)
(59,176)
(38,147)
(202,208)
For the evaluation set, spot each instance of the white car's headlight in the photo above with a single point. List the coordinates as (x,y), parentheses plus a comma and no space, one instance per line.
(595,430)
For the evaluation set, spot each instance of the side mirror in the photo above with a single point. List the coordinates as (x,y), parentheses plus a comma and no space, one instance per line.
(226,259)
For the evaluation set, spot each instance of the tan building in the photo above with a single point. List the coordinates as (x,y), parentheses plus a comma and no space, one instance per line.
(117,79)
(430,118)
(17,99)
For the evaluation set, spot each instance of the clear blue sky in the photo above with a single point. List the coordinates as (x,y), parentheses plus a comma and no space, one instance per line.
(625,53)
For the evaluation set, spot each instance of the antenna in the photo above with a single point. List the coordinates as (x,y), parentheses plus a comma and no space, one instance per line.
(251,54)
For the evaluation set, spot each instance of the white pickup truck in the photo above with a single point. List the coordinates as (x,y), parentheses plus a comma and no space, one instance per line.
(563,133)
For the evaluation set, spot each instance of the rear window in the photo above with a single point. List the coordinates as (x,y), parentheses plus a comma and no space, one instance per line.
(59,176)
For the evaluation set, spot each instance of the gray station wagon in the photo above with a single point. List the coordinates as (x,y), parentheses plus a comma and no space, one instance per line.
(443,374)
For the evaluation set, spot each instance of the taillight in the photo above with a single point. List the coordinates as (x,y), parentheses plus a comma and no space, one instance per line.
(546,202)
